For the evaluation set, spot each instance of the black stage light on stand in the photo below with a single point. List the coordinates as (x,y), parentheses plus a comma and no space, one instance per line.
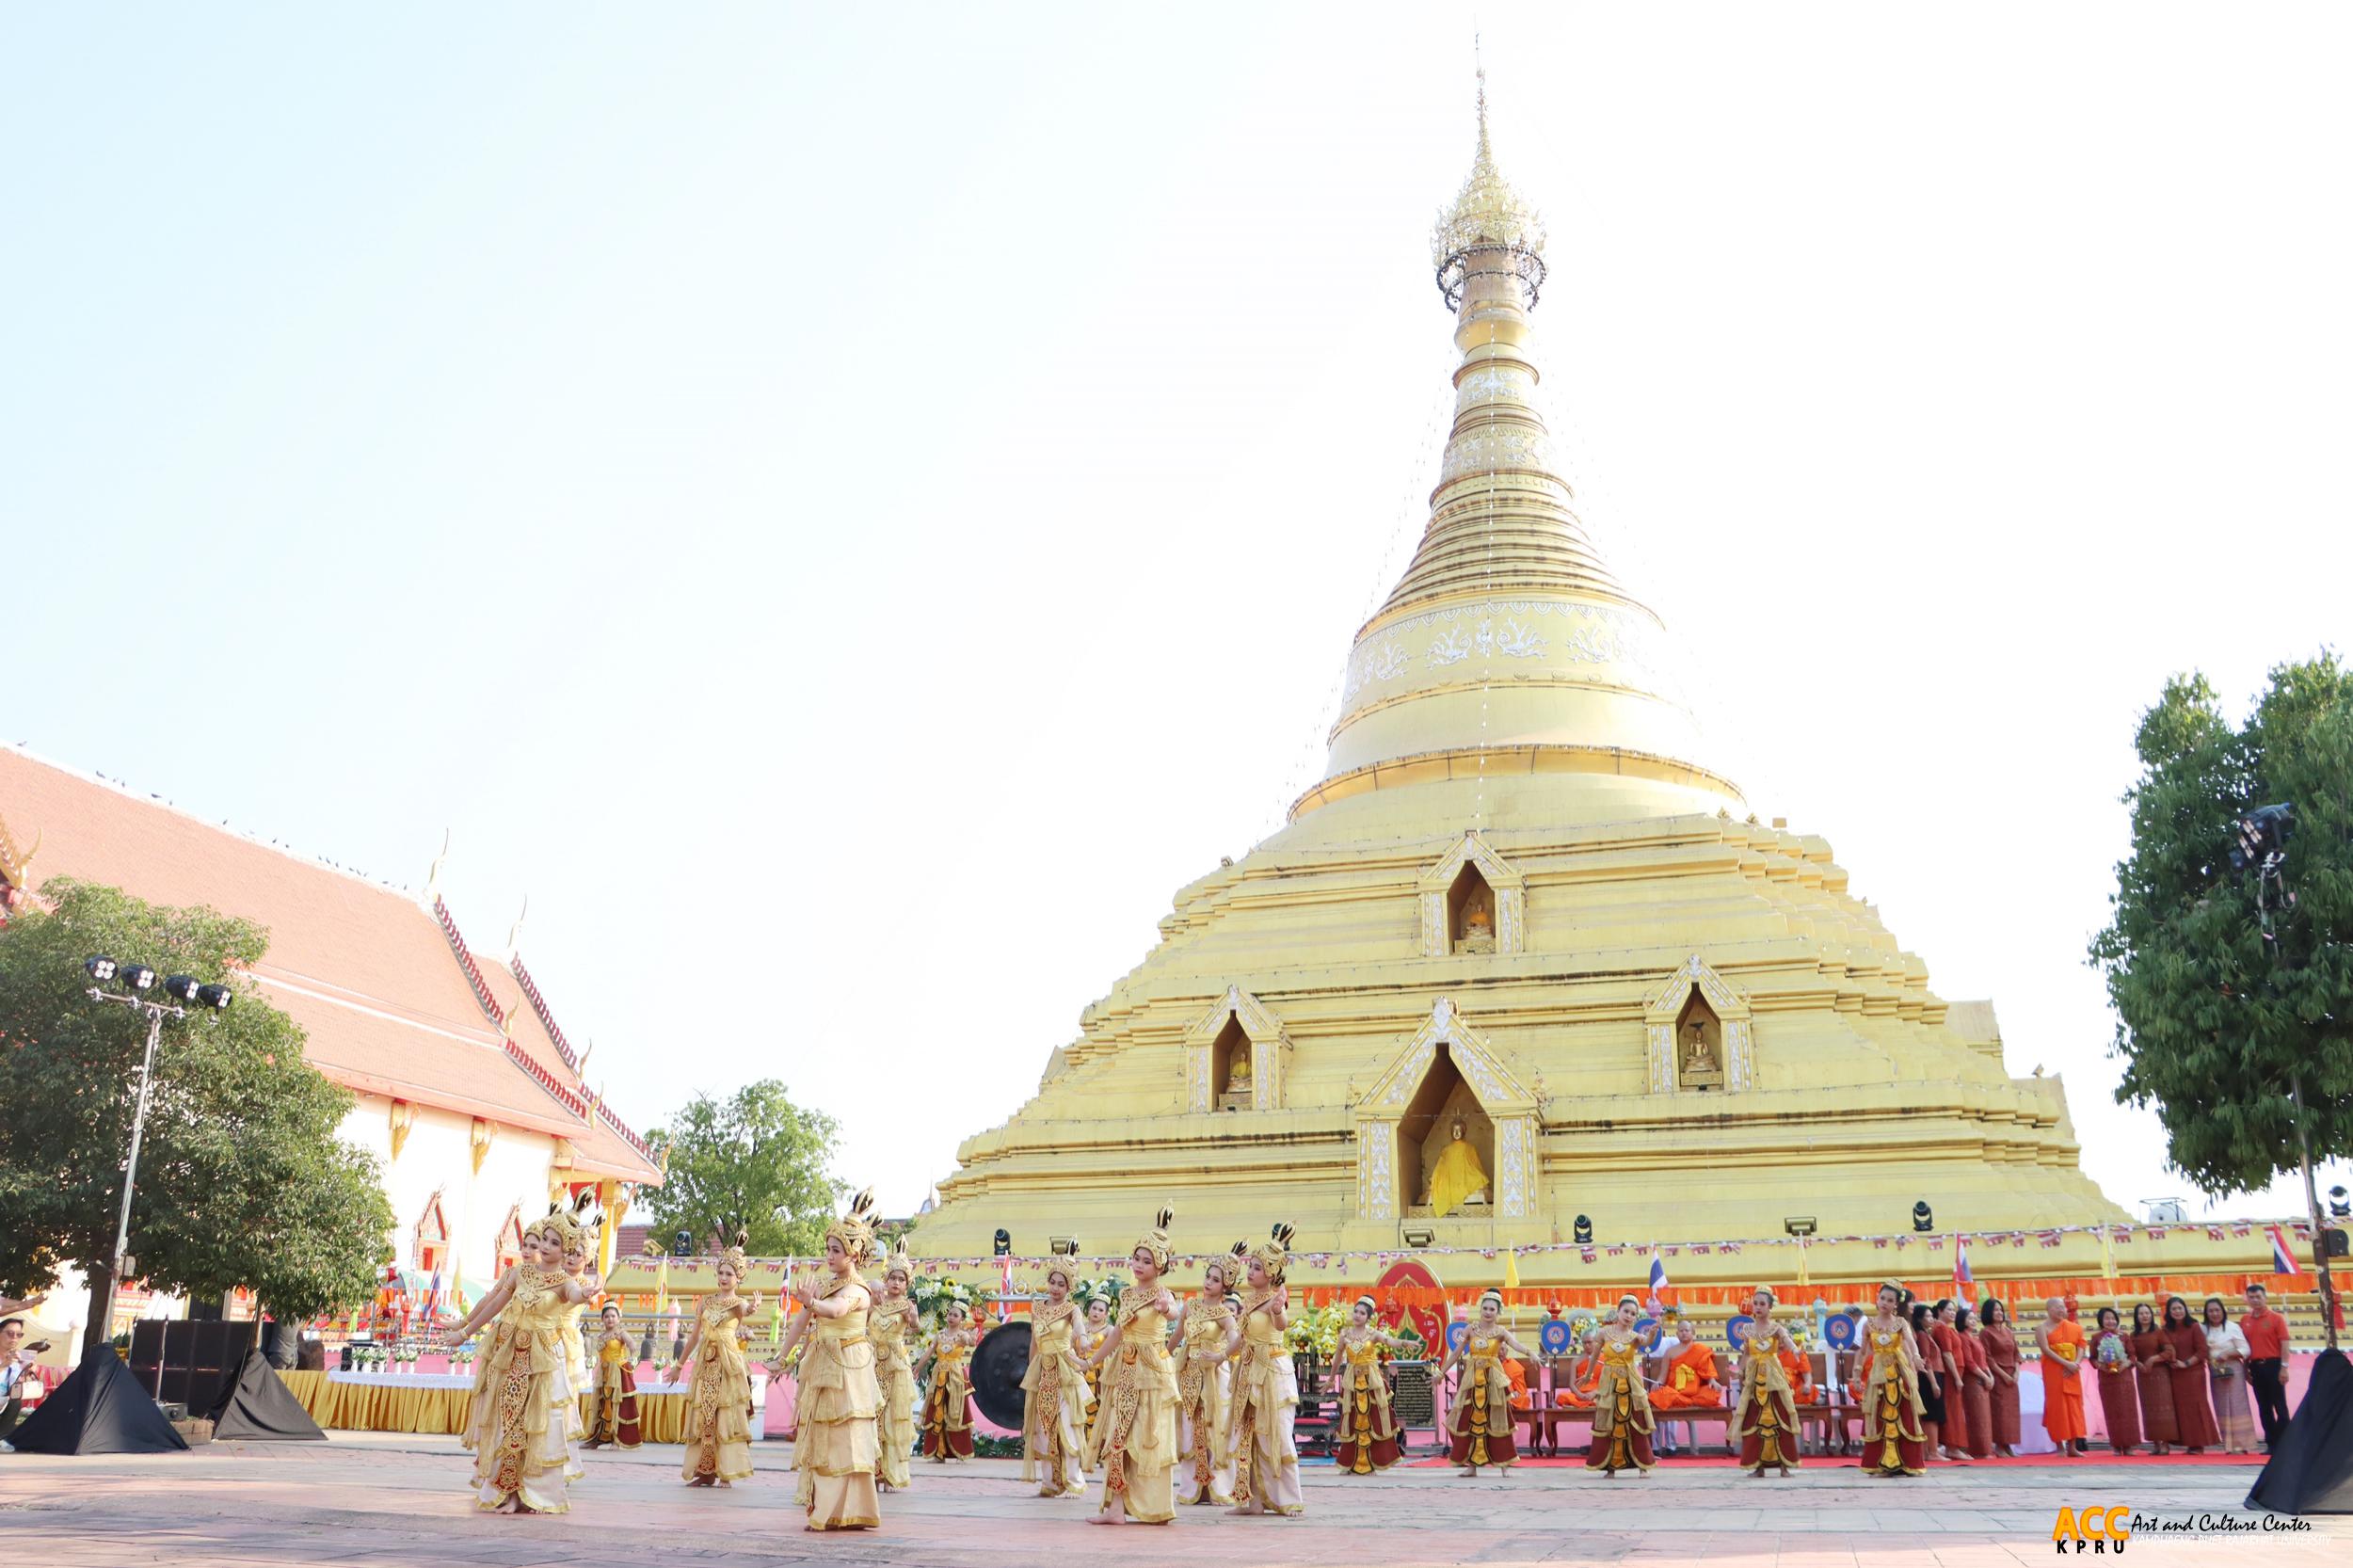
(180,987)
(1923,1218)
(1004,1243)
(1582,1231)
(2340,1206)
(136,976)
(100,968)
(214,997)
(680,1242)
(1063,1247)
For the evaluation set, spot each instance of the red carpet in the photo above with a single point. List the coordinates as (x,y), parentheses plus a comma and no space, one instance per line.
(1827,1462)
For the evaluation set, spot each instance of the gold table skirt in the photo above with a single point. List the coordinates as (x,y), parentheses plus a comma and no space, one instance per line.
(444,1412)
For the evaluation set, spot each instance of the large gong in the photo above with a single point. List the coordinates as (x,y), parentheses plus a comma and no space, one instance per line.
(997,1371)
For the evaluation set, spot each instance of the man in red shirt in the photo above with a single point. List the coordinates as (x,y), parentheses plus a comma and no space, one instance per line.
(2267,1363)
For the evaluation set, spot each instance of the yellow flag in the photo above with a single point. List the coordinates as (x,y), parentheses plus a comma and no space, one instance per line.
(1510,1270)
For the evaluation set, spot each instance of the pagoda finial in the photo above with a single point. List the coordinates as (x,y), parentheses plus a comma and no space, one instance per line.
(1489,216)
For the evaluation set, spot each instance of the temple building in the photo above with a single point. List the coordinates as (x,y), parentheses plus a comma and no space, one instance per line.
(469,1093)
(1523,954)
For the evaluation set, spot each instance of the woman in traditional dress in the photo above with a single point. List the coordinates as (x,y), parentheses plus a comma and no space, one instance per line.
(1205,1471)
(1135,1441)
(1366,1433)
(1976,1381)
(518,1430)
(1928,1377)
(2001,1353)
(2226,1361)
(891,1326)
(2193,1417)
(576,1253)
(1766,1417)
(617,1420)
(1623,1421)
(718,1411)
(836,1450)
(1894,1436)
(2119,1399)
(1093,1329)
(2151,1357)
(1053,1393)
(1951,1380)
(2061,1340)
(1265,1396)
(947,1425)
(1481,1417)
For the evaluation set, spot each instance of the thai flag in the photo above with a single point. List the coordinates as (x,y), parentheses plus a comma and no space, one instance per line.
(2283,1256)
(1960,1261)
(1004,1299)
(433,1293)
(1658,1274)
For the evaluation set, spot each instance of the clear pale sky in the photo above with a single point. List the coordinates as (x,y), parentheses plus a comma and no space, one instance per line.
(850,510)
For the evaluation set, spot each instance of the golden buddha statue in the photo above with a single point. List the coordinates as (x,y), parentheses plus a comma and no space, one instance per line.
(1479,923)
(1458,1178)
(1701,1066)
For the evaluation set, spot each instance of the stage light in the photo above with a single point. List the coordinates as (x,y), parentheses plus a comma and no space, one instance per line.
(180,987)
(1798,1224)
(1004,1243)
(1416,1238)
(1923,1218)
(680,1242)
(100,968)
(1063,1247)
(136,976)
(2340,1206)
(214,997)
(1583,1229)
(2260,834)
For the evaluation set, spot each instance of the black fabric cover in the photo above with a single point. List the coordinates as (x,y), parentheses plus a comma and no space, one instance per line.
(257,1406)
(99,1409)
(2311,1469)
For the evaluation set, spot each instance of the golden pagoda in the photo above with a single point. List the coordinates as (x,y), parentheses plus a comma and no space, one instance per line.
(1522,930)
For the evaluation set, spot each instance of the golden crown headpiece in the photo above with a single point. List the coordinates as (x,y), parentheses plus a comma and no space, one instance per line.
(1156,1239)
(1229,1266)
(899,1263)
(854,1230)
(563,1226)
(733,1253)
(1057,1266)
(1273,1254)
(1369,1304)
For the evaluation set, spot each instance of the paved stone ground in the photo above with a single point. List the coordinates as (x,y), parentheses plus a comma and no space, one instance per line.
(381,1499)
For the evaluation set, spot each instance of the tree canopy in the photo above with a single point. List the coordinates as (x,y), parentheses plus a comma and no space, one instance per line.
(242,1181)
(2219,1026)
(757,1157)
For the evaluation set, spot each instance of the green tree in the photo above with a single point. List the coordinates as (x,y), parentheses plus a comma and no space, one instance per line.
(2240,1041)
(242,1178)
(757,1157)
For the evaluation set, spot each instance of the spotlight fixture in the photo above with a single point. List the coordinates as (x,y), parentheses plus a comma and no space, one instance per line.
(1798,1224)
(681,1243)
(1004,1243)
(214,997)
(100,968)
(1923,1218)
(1063,1247)
(1418,1236)
(2339,1207)
(136,976)
(2260,834)
(180,987)
(1582,1231)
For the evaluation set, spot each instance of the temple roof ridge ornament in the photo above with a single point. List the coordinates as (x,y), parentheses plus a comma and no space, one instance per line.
(1489,218)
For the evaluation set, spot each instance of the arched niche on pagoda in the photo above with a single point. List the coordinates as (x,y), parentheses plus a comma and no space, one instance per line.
(1448,1068)
(1700,1037)
(1472,901)
(1235,1056)
(430,1239)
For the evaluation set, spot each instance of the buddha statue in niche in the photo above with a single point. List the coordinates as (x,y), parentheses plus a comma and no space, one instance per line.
(1478,924)
(1458,1178)
(1700,1062)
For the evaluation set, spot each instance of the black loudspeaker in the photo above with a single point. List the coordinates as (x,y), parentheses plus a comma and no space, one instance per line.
(183,1363)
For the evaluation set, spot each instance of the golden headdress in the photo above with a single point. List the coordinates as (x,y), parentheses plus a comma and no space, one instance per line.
(562,1226)
(1229,1266)
(1156,1240)
(899,1263)
(1057,1266)
(732,1253)
(856,1229)
(1491,1294)
(1273,1254)
(1369,1304)
(1766,1291)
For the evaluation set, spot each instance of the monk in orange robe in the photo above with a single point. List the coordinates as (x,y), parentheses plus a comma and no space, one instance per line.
(1584,1376)
(1516,1375)
(1691,1379)
(1801,1369)
(2062,1365)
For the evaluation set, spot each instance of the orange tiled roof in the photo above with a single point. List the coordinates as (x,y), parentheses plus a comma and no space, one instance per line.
(374,980)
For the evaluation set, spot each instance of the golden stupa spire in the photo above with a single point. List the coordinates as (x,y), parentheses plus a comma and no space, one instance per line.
(1488,217)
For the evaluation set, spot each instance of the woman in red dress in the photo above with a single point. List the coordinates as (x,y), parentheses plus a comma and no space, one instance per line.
(1765,1417)
(1623,1421)
(1952,1381)
(1976,1383)
(2001,1352)
(2193,1416)
(2120,1397)
(2153,1358)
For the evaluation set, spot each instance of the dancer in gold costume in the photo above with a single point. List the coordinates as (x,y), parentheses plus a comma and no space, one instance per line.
(1055,1394)
(719,1413)
(583,1245)
(892,1328)
(1265,1397)
(1481,1417)
(1367,1435)
(1135,1437)
(616,1421)
(838,1449)
(522,1387)
(1765,1417)
(1096,1301)
(1205,1471)
(1894,1442)
(1623,1421)
(947,1425)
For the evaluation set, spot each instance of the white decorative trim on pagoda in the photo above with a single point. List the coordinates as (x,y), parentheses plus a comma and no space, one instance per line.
(1509,1107)
(1509,886)
(1663,1006)
(1269,1051)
